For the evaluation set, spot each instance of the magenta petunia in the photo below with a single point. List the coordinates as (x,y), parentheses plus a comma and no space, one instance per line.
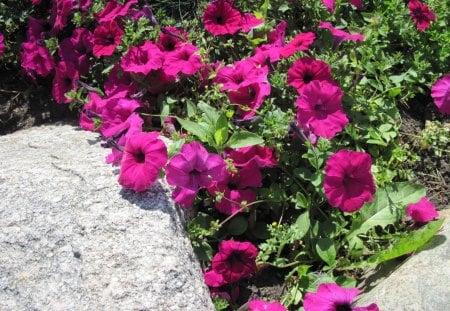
(145,11)
(92,111)
(320,107)
(423,211)
(440,91)
(113,9)
(348,182)
(83,5)
(185,59)
(241,74)
(36,59)
(65,80)
(192,169)
(235,260)
(115,114)
(260,155)
(305,70)
(61,9)
(220,18)
(142,59)
(143,157)
(249,21)
(331,297)
(107,36)
(329,4)
(340,35)
(119,81)
(261,305)
(300,42)
(421,14)
(2,44)
(76,49)
(159,81)
(36,29)
(249,98)
(170,38)
(214,279)
(273,49)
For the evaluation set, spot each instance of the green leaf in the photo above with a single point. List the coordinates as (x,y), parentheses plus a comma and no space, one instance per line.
(301,201)
(211,115)
(300,227)
(244,139)
(326,250)
(195,129)
(203,251)
(238,225)
(191,108)
(221,136)
(409,243)
(387,207)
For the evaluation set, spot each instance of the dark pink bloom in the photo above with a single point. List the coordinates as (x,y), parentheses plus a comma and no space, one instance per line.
(159,81)
(36,2)
(119,81)
(192,169)
(115,114)
(329,4)
(260,305)
(277,36)
(76,49)
(65,80)
(36,59)
(142,59)
(171,38)
(440,91)
(331,297)
(241,74)
(185,59)
(2,44)
(273,50)
(35,29)
(421,14)
(59,13)
(249,21)
(262,156)
(300,42)
(91,111)
(113,9)
(249,98)
(320,107)
(214,279)
(340,35)
(145,11)
(144,156)
(348,180)
(83,5)
(107,36)
(220,18)
(235,260)
(305,70)
(423,211)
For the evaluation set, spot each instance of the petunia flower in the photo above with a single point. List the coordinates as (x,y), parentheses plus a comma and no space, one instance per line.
(241,74)
(2,44)
(107,36)
(340,35)
(305,70)
(119,81)
(300,42)
(170,38)
(35,29)
(113,9)
(320,107)
(273,49)
(193,169)
(115,114)
(440,91)
(142,59)
(249,98)
(331,297)
(246,156)
(220,18)
(91,111)
(36,59)
(329,4)
(423,211)
(235,260)
(61,9)
(159,81)
(249,21)
(348,182)
(64,81)
(260,305)
(145,11)
(421,14)
(185,59)
(76,49)
(144,156)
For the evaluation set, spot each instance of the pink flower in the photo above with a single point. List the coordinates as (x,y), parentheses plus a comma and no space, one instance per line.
(192,169)
(235,260)
(340,35)
(119,81)
(107,36)
(348,181)
(214,279)
(159,81)
(329,4)
(249,98)
(260,305)
(59,13)
(305,70)
(91,111)
(241,74)
(64,81)
(249,21)
(115,114)
(170,38)
(113,10)
(423,211)
(35,29)
(83,5)
(145,11)
(440,91)
(320,107)
(246,156)
(36,59)
(185,59)
(76,48)
(2,44)
(331,297)
(142,59)
(274,48)
(300,42)
(421,14)
(220,18)
(144,156)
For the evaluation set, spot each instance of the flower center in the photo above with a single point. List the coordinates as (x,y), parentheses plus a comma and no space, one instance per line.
(219,20)
(140,157)
(194,172)
(343,307)
(307,78)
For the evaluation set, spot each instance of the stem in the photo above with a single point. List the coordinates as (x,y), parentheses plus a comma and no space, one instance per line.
(238,211)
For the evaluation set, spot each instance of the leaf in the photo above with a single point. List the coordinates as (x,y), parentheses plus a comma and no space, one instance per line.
(238,225)
(244,139)
(300,227)
(203,251)
(221,136)
(409,243)
(387,207)
(210,114)
(195,129)
(326,250)
(191,108)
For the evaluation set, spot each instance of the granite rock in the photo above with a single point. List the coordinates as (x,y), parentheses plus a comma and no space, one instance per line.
(72,239)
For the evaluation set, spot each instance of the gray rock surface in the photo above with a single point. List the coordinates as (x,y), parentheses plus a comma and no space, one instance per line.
(421,283)
(72,239)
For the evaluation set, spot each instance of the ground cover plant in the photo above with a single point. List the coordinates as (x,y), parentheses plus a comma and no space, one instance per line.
(285,122)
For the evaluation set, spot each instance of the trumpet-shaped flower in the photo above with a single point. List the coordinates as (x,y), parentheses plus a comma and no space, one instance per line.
(348,182)
(421,14)
(185,59)
(65,80)
(260,305)
(440,91)
(2,45)
(36,59)
(246,156)
(340,35)
(142,59)
(423,211)
(249,98)
(220,18)
(300,42)
(329,4)
(241,74)
(305,70)
(107,36)
(113,9)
